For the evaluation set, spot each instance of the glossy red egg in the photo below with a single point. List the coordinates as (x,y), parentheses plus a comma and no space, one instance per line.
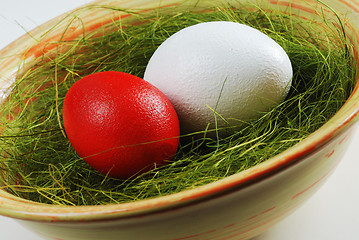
(120,124)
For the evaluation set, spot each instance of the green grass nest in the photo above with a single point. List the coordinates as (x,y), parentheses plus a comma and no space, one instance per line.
(38,163)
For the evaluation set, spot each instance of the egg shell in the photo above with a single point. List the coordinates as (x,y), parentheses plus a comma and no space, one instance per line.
(120,124)
(220,67)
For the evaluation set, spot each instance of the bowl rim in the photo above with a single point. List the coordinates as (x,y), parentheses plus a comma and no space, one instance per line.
(16,207)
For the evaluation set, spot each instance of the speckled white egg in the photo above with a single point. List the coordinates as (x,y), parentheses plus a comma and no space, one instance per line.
(220,70)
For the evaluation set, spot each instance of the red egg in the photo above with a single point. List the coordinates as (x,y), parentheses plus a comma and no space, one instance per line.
(120,124)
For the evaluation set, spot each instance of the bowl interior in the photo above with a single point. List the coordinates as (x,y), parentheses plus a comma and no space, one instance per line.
(88,20)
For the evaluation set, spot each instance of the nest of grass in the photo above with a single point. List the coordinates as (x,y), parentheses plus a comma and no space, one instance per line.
(38,162)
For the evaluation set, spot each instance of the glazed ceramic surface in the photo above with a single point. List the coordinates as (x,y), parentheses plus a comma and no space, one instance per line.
(238,207)
(238,214)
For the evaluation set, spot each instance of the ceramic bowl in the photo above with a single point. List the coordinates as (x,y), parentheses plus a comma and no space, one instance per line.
(238,207)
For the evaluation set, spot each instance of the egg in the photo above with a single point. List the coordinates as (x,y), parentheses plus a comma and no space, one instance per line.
(219,74)
(119,124)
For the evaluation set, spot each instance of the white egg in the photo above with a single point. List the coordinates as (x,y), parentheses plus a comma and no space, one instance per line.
(220,73)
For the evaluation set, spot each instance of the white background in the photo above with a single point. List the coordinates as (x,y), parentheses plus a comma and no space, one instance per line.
(332,214)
